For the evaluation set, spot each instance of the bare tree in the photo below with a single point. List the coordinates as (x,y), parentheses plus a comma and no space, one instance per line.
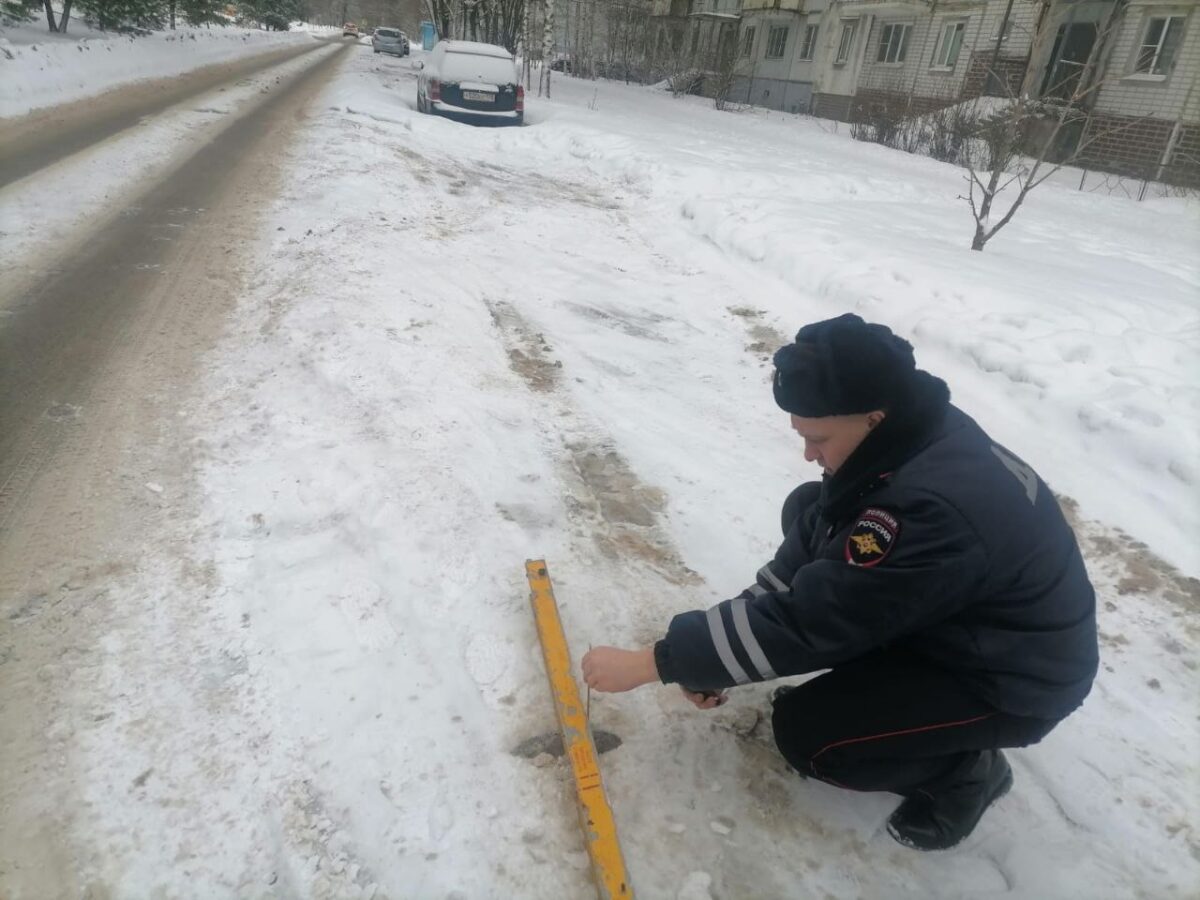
(547,45)
(60,25)
(725,68)
(446,16)
(507,23)
(1000,157)
(527,42)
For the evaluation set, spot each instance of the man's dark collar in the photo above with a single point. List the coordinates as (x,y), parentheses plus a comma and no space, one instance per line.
(907,429)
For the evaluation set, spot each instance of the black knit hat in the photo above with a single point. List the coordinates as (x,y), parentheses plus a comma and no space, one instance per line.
(841,367)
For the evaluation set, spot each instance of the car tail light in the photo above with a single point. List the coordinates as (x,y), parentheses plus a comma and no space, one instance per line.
(520,98)
(435,89)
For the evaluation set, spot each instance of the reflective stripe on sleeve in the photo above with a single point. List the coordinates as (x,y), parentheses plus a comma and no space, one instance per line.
(767,575)
(720,641)
(741,621)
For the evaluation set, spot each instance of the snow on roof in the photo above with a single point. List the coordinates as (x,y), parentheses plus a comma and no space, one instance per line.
(477,48)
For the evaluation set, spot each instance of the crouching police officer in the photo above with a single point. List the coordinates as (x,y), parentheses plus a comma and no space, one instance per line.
(930,571)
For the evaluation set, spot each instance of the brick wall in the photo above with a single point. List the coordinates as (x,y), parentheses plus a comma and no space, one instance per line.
(1010,72)
(1184,167)
(982,19)
(916,72)
(1022,27)
(867,102)
(1131,146)
(1123,92)
(832,106)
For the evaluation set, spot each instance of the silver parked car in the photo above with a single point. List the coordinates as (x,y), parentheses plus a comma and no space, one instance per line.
(472,81)
(390,40)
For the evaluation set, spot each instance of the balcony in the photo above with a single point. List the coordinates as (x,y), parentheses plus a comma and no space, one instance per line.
(716,9)
(675,9)
(790,6)
(884,7)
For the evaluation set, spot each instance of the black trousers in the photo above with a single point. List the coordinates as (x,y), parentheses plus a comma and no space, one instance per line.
(892,722)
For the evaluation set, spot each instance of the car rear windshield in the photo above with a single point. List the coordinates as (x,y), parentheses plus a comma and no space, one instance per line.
(387,32)
(473,67)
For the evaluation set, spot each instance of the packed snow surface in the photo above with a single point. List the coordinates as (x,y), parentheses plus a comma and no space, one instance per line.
(465,347)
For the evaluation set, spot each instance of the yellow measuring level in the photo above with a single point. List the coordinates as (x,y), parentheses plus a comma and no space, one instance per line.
(595,815)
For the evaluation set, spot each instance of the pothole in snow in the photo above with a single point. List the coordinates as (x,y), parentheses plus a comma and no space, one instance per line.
(551,743)
(1132,566)
(528,352)
(764,340)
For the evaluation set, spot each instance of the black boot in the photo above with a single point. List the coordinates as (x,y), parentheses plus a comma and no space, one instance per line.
(941,817)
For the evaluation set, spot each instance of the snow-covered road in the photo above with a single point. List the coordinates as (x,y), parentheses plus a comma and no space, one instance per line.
(460,348)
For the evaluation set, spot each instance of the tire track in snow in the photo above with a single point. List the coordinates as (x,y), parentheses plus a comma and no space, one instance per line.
(622,514)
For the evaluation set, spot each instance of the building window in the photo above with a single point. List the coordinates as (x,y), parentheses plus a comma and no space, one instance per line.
(1069,56)
(1160,42)
(748,41)
(893,43)
(846,44)
(776,41)
(808,43)
(997,36)
(946,54)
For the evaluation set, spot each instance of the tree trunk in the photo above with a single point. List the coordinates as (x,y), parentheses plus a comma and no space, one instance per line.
(983,229)
(994,69)
(66,17)
(50,16)
(173,14)
(526,44)
(547,44)
(627,45)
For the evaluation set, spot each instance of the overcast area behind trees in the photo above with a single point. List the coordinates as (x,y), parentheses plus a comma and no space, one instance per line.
(149,15)
(590,38)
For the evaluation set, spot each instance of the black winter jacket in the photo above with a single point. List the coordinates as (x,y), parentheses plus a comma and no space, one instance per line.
(931,538)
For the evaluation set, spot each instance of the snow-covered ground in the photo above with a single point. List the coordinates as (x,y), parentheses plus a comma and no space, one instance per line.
(468,347)
(40,69)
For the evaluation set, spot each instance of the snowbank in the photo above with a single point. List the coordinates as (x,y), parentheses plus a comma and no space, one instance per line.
(40,69)
(466,347)
(459,348)
(1074,337)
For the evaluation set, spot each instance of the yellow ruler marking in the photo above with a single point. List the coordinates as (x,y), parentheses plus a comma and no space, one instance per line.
(595,815)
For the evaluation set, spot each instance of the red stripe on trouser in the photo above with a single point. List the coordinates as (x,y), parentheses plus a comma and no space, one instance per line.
(812,763)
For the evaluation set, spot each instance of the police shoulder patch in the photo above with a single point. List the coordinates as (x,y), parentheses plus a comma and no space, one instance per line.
(872,538)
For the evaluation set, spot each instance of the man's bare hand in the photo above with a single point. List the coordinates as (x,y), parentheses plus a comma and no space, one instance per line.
(709,700)
(612,670)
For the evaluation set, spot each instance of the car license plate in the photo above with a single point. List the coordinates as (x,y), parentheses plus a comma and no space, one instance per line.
(479,96)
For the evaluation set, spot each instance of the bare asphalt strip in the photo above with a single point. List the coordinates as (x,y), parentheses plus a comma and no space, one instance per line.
(43,137)
(65,328)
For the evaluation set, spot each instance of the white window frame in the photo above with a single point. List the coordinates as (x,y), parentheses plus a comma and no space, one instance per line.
(950,29)
(808,44)
(773,31)
(890,46)
(1155,70)
(846,42)
(748,37)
